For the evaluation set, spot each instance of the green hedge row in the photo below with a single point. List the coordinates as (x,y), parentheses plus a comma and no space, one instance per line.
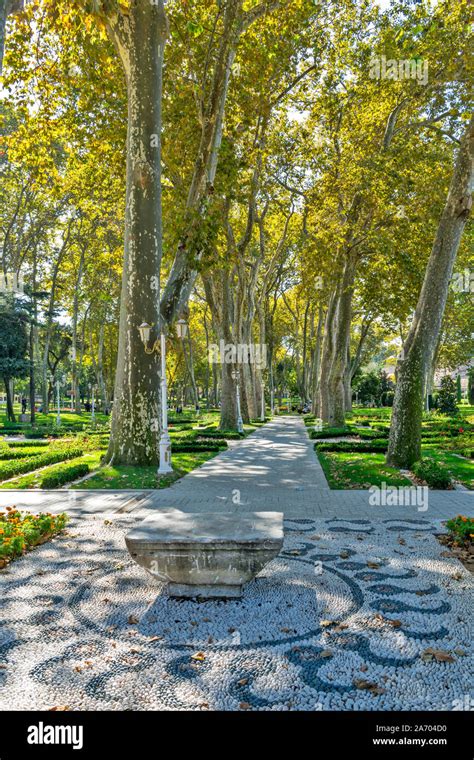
(365,447)
(25,444)
(19,453)
(185,448)
(330,432)
(20,466)
(64,474)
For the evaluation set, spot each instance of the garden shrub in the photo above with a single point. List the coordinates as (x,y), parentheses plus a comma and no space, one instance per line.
(461,529)
(64,474)
(434,474)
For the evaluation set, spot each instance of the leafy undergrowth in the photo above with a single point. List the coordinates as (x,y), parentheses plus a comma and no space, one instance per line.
(351,470)
(461,470)
(460,540)
(20,532)
(116,477)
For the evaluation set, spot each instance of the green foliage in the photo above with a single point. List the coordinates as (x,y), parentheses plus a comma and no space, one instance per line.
(447,396)
(434,474)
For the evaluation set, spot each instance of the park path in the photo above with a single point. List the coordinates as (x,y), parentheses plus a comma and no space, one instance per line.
(275,468)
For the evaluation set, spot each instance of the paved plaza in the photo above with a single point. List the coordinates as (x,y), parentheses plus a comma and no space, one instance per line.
(344,619)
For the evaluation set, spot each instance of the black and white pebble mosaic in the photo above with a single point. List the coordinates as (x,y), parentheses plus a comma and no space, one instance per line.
(339,621)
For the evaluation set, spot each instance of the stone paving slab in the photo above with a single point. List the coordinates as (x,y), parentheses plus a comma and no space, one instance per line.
(276,468)
(339,621)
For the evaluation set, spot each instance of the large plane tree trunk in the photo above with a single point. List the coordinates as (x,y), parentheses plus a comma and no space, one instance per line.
(405,433)
(140,38)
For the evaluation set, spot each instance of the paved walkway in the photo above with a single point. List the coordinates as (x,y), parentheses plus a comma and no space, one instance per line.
(276,468)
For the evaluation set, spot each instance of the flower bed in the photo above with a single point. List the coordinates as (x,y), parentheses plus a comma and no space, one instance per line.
(21,532)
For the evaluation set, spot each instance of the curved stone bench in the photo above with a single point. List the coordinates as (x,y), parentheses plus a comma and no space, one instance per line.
(206,555)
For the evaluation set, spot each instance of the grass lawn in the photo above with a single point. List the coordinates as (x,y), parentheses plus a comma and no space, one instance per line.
(126,476)
(352,470)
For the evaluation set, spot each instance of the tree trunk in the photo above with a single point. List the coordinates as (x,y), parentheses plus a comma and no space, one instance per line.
(405,432)
(315,402)
(341,340)
(140,38)
(8,390)
(326,400)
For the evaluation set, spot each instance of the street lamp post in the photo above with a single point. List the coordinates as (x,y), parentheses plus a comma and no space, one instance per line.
(288,400)
(240,422)
(165,441)
(262,416)
(58,390)
(160,346)
(93,405)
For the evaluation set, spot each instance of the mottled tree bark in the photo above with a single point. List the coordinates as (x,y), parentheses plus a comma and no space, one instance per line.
(140,38)
(405,433)
(326,400)
(342,334)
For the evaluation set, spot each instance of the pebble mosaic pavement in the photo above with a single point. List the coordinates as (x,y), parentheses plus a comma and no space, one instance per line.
(82,626)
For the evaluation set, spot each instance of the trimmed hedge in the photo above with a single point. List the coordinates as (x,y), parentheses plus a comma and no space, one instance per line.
(20,466)
(434,474)
(185,448)
(19,453)
(64,474)
(25,444)
(367,447)
(225,435)
(330,432)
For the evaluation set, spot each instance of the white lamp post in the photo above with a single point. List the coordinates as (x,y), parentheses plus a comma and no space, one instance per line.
(262,416)
(165,441)
(240,422)
(160,345)
(58,390)
(93,405)
(288,400)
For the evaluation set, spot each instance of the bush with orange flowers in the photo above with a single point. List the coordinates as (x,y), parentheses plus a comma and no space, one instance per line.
(19,532)
(461,529)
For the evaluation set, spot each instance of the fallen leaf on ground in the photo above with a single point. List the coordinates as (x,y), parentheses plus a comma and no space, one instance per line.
(132,620)
(361,683)
(199,656)
(440,655)
(245,706)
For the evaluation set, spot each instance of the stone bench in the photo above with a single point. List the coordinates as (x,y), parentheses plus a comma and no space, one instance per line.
(206,555)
